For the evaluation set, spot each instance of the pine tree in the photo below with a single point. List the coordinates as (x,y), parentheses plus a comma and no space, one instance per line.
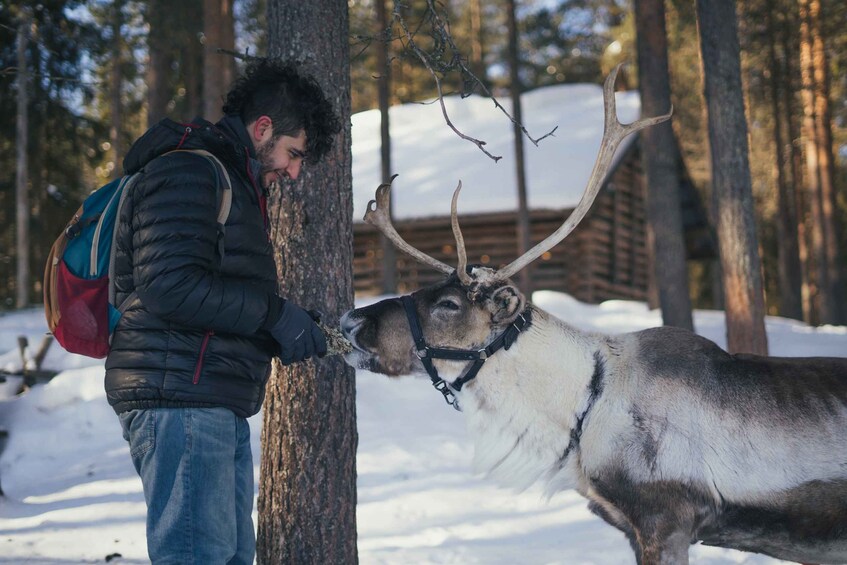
(732,192)
(59,136)
(383,77)
(175,71)
(307,493)
(218,68)
(820,163)
(661,159)
(118,105)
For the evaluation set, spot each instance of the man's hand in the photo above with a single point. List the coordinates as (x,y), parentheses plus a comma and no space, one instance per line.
(298,335)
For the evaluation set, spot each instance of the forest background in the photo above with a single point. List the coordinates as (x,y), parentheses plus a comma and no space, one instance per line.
(100,72)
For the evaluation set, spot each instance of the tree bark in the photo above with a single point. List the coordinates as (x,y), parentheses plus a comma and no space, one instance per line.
(477,57)
(161,59)
(515,87)
(660,158)
(116,88)
(789,268)
(22,175)
(383,71)
(218,68)
(790,46)
(826,160)
(732,189)
(307,492)
(824,300)
(188,29)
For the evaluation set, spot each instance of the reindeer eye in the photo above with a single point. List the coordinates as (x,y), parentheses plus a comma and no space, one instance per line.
(448,305)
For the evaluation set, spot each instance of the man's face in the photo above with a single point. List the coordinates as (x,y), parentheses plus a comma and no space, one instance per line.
(281,156)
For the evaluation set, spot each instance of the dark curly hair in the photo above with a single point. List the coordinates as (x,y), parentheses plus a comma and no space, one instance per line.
(293,100)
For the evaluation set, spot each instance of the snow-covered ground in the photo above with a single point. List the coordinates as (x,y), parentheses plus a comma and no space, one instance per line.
(72,495)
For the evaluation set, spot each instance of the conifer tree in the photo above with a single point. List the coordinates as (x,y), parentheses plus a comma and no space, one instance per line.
(307,492)
(59,136)
(731,184)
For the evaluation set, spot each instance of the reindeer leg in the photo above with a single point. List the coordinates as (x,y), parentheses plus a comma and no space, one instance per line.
(605,510)
(664,515)
(657,549)
(659,546)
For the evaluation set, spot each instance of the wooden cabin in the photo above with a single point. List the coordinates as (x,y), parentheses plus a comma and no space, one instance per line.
(606,257)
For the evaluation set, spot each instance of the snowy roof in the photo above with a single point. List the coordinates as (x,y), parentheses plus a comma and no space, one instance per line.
(431,159)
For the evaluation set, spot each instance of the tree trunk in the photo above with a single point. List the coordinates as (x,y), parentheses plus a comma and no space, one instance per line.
(161,59)
(524,237)
(307,492)
(383,71)
(788,251)
(825,305)
(218,68)
(477,58)
(732,191)
(790,46)
(191,57)
(660,158)
(823,129)
(116,87)
(22,176)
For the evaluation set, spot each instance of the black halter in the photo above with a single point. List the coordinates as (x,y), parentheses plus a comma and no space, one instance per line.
(478,356)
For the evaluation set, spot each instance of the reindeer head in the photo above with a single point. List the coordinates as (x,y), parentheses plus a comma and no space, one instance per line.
(472,304)
(452,314)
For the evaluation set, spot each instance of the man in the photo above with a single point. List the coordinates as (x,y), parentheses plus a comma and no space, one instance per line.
(201,318)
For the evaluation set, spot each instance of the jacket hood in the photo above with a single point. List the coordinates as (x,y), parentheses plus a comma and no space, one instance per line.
(228,140)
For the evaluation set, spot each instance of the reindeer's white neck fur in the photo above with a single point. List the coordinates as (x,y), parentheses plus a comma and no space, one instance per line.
(525,401)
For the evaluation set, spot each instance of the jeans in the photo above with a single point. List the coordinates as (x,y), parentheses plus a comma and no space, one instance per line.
(197,471)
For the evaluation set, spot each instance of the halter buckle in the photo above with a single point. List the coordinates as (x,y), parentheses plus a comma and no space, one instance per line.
(442,387)
(523,323)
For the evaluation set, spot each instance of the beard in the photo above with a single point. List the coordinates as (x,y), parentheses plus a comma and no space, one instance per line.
(264,156)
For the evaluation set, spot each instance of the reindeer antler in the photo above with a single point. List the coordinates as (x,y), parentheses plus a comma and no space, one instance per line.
(462,269)
(378,215)
(613,133)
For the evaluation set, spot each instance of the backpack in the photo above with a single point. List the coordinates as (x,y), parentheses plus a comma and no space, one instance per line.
(79,291)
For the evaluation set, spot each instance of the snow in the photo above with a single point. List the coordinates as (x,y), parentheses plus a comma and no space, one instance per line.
(72,495)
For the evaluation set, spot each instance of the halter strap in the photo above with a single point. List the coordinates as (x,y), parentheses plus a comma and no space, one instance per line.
(477,357)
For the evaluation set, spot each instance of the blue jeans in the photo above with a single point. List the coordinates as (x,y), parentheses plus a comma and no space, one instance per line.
(197,471)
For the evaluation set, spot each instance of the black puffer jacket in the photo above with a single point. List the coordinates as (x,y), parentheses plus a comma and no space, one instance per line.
(194,328)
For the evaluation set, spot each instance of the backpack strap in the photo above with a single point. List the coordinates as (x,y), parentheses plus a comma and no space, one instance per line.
(225,195)
(128,182)
(224,207)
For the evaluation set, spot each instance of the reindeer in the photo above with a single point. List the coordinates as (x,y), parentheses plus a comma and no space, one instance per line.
(671,439)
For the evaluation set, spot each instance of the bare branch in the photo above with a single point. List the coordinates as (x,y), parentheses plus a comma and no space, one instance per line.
(426,61)
(442,26)
(246,56)
(443,39)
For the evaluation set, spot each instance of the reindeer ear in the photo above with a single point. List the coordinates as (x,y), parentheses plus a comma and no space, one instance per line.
(505,304)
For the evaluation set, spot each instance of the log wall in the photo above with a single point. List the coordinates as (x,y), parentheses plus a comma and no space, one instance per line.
(604,258)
